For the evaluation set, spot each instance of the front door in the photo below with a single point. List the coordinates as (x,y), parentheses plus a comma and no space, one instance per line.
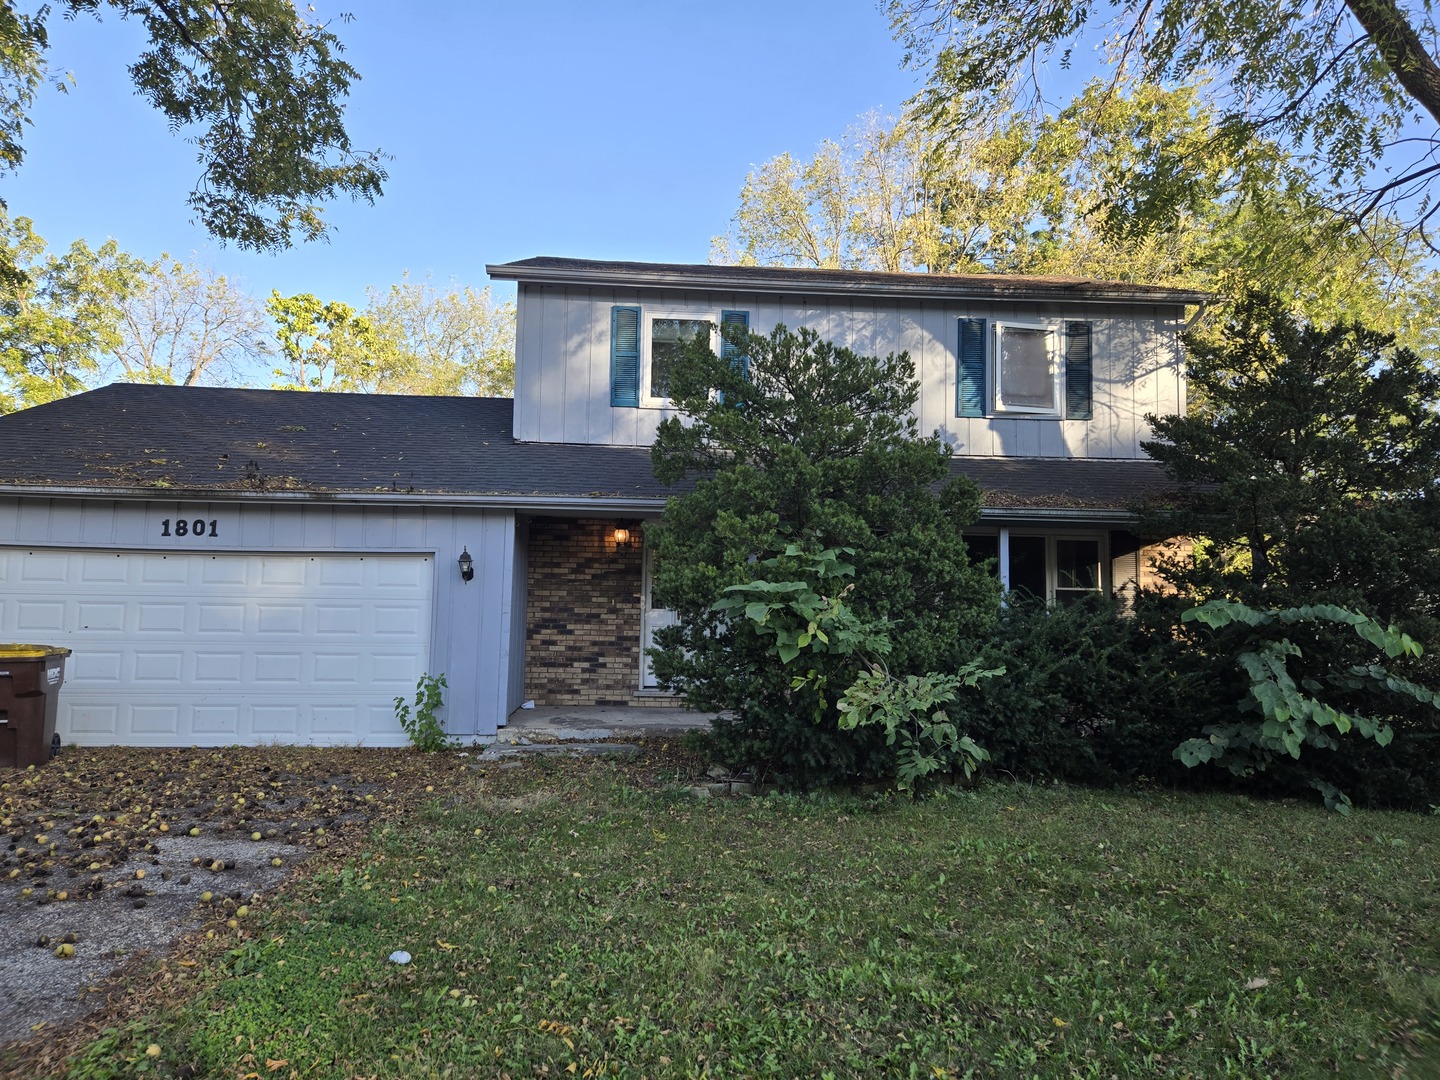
(652,618)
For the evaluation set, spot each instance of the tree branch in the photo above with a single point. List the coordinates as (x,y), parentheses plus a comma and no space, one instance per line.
(1402,50)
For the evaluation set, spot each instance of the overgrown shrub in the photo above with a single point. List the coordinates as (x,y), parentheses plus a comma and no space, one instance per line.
(795,443)
(1088,696)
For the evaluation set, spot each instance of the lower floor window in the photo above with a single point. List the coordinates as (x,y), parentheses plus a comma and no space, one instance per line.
(1057,568)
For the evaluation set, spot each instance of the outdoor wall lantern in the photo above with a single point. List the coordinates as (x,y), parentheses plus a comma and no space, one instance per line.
(467,565)
(622,538)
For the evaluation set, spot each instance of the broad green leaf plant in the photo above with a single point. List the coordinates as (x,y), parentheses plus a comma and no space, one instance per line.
(808,618)
(1283,714)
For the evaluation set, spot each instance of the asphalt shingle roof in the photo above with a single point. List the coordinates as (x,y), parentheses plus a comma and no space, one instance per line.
(208,439)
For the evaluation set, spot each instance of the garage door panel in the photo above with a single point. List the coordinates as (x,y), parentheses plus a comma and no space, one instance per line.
(396,620)
(44,570)
(38,618)
(103,570)
(158,618)
(342,668)
(159,666)
(217,571)
(280,618)
(280,722)
(95,724)
(162,570)
(219,669)
(155,720)
(289,574)
(217,649)
(335,572)
(277,668)
(94,666)
(99,617)
(216,720)
(337,720)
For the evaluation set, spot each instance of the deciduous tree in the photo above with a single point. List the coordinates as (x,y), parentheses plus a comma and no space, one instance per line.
(460,341)
(186,324)
(1351,84)
(257,87)
(59,313)
(325,346)
(1017,194)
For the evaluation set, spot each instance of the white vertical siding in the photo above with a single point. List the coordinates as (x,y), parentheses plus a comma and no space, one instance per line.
(562,388)
(472,629)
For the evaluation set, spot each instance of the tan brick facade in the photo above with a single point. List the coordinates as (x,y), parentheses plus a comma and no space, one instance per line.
(582,617)
(1154,552)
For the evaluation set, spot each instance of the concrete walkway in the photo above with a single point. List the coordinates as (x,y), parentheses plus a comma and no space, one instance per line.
(560,723)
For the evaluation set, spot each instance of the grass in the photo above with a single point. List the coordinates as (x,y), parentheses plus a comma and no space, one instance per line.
(566,922)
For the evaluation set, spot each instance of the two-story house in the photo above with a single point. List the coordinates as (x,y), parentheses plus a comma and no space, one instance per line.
(234,566)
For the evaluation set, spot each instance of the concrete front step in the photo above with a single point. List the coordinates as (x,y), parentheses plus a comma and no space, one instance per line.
(559,723)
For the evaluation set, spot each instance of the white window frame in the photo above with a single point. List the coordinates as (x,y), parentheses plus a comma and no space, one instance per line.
(647,323)
(1052,560)
(1057,369)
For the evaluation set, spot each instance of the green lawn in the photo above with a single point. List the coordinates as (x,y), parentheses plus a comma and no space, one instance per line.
(568,923)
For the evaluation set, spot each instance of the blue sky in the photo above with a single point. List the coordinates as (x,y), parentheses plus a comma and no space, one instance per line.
(619,131)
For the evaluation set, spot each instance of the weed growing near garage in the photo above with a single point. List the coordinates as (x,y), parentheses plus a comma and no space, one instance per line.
(592,928)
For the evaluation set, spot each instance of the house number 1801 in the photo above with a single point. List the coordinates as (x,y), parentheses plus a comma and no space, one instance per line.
(182,527)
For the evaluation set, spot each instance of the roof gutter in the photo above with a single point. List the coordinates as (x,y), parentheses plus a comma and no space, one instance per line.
(538,503)
(571,504)
(1057,516)
(821,285)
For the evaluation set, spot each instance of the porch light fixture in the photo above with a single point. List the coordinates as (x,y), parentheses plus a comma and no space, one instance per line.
(622,538)
(467,565)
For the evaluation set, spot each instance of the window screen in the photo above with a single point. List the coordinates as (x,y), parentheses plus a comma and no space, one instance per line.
(1027,368)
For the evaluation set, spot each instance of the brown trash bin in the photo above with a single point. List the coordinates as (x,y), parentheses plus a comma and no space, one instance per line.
(30,678)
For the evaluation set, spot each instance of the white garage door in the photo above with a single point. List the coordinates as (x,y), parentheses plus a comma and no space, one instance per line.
(210,650)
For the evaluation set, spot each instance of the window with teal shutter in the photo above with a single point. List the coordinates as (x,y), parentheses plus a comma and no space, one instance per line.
(1079,395)
(625,357)
(728,352)
(970,369)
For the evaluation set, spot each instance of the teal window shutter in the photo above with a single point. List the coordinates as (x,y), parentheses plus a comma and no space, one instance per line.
(1079,396)
(625,357)
(970,371)
(728,352)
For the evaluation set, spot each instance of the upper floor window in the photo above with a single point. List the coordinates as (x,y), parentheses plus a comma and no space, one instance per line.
(1027,364)
(668,335)
(1025,369)
(644,346)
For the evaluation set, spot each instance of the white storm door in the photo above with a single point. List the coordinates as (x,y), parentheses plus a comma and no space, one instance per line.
(213,650)
(651,619)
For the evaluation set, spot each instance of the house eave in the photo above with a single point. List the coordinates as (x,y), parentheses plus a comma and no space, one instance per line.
(1052,515)
(618,504)
(539,503)
(934,287)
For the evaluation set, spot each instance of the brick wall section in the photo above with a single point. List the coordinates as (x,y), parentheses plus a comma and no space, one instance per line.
(582,624)
(1177,548)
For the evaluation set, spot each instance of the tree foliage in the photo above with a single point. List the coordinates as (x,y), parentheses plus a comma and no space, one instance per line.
(59,314)
(1311,458)
(258,89)
(410,339)
(460,341)
(1310,467)
(324,345)
(1351,84)
(805,446)
(1013,193)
